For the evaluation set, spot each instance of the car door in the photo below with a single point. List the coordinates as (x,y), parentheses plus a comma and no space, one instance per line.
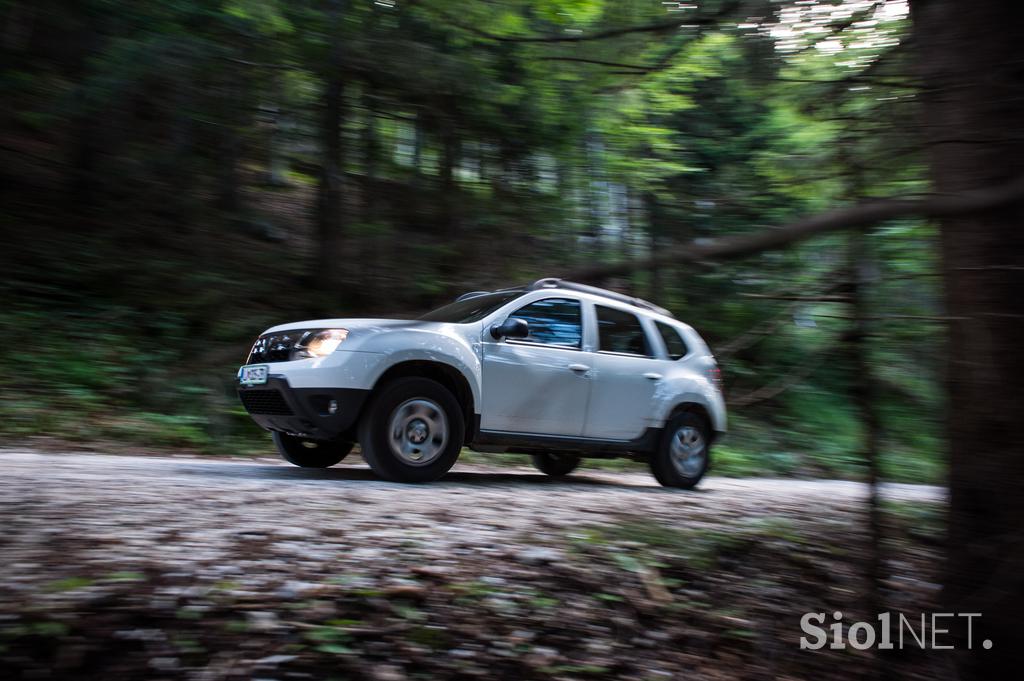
(538,384)
(626,376)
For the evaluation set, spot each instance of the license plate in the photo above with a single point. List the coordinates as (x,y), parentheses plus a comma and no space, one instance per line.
(253,375)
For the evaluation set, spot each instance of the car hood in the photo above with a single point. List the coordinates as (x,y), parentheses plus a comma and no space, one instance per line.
(357,324)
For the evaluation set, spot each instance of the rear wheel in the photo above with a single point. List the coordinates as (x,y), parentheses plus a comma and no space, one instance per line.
(412,431)
(683,455)
(310,453)
(555,465)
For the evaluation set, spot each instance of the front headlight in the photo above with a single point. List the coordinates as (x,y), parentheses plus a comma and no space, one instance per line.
(317,344)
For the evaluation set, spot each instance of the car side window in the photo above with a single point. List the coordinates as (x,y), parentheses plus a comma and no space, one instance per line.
(620,331)
(553,321)
(674,343)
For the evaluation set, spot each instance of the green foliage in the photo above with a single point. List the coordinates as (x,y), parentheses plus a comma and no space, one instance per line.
(166,175)
(702,548)
(69,584)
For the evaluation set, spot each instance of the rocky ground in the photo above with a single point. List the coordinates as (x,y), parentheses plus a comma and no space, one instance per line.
(125,567)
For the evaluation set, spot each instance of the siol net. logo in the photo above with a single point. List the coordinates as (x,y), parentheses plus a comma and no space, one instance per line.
(892,631)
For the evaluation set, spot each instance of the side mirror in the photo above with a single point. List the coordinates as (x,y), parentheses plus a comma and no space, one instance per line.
(510,328)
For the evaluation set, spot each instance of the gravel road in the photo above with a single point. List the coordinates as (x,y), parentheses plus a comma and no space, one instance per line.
(76,526)
(205,500)
(171,511)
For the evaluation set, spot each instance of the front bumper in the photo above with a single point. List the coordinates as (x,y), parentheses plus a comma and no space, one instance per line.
(316,413)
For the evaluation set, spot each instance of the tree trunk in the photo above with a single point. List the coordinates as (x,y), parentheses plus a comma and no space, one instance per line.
(864,395)
(84,152)
(651,209)
(371,152)
(596,194)
(277,165)
(178,169)
(863,392)
(417,148)
(229,182)
(970,64)
(330,195)
(228,194)
(83,178)
(449,228)
(373,241)
(449,187)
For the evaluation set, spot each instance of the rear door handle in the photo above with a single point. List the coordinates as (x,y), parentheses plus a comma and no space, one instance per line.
(652,375)
(579,367)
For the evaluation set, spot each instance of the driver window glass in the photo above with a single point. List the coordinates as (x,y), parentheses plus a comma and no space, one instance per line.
(621,332)
(553,321)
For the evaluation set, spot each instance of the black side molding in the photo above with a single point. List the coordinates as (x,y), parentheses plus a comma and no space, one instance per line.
(528,443)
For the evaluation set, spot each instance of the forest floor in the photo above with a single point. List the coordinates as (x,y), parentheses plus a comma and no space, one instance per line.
(125,567)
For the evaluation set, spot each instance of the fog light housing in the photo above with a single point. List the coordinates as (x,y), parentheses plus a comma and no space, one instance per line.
(324,405)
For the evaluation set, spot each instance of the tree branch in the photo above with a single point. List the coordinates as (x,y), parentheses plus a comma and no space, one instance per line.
(857,79)
(664,61)
(800,299)
(581,60)
(890,317)
(769,326)
(756,334)
(859,215)
(656,27)
(773,390)
(262,65)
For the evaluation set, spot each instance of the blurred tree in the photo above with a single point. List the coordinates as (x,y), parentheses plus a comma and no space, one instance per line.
(432,147)
(331,192)
(972,107)
(417,149)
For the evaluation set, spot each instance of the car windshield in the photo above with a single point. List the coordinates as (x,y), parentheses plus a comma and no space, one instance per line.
(471,309)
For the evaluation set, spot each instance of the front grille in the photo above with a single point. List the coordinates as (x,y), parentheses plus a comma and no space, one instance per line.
(276,347)
(269,402)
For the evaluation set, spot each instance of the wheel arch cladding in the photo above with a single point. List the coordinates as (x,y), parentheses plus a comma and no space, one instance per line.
(445,374)
(698,409)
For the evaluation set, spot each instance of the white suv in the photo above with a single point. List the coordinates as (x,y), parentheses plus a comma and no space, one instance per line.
(555,369)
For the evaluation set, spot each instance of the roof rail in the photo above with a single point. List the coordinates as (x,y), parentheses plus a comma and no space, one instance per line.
(554,282)
(471,294)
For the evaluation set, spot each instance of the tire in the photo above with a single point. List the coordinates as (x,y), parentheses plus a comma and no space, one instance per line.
(683,455)
(555,465)
(310,453)
(412,430)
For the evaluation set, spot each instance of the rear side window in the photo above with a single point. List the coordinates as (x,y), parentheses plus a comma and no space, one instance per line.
(674,343)
(553,321)
(619,331)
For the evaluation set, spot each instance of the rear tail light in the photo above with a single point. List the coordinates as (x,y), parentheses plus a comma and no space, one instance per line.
(715,375)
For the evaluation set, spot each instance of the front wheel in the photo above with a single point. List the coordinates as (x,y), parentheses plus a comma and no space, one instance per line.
(412,431)
(310,453)
(555,465)
(683,455)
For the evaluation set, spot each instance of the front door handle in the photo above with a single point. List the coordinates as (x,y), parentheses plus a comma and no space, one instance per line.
(652,375)
(579,368)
